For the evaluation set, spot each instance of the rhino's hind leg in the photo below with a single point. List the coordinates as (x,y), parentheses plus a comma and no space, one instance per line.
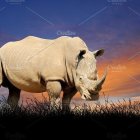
(14,96)
(67,96)
(54,90)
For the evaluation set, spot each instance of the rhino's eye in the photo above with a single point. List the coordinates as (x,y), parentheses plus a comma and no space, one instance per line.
(85,96)
(80,78)
(95,78)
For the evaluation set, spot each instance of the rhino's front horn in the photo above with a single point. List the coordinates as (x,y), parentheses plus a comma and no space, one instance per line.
(101,81)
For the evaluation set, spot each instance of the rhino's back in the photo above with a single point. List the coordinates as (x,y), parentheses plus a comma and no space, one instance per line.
(23,62)
(18,58)
(19,52)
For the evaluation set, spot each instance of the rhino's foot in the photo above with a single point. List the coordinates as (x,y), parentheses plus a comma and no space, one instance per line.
(55,104)
(13,102)
(66,107)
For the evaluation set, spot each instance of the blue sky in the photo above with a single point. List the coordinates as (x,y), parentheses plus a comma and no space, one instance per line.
(44,18)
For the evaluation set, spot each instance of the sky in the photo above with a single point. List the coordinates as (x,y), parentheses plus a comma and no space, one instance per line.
(108,24)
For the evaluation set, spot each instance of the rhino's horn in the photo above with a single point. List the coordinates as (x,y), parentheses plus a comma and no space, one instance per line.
(101,81)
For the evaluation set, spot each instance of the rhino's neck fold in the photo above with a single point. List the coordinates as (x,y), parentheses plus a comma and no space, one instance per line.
(70,75)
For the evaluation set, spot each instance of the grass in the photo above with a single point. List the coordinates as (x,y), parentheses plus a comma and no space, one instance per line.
(38,120)
(43,109)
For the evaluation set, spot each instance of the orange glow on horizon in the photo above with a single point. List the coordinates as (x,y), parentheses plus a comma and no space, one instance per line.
(122,77)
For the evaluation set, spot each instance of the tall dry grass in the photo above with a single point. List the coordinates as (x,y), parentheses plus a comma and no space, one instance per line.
(43,108)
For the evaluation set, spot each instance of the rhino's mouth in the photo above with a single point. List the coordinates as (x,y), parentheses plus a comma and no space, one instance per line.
(86,95)
(90,89)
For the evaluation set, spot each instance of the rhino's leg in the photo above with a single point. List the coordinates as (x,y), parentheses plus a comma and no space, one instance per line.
(14,96)
(67,96)
(54,90)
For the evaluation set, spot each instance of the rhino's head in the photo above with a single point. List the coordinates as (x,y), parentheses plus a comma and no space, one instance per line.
(87,81)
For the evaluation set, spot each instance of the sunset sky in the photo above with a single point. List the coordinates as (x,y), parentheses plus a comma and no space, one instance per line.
(114,26)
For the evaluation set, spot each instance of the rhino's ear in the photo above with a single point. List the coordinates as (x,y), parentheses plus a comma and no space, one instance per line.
(81,53)
(98,52)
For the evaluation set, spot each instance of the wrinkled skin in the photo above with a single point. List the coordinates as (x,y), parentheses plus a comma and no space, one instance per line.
(38,65)
(87,76)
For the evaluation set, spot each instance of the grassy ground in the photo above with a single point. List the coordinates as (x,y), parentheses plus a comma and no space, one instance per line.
(40,121)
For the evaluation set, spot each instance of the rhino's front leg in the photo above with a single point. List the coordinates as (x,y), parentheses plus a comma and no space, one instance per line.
(67,96)
(54,90)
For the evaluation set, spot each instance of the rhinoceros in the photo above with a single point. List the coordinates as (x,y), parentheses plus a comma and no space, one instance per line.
(37,65)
